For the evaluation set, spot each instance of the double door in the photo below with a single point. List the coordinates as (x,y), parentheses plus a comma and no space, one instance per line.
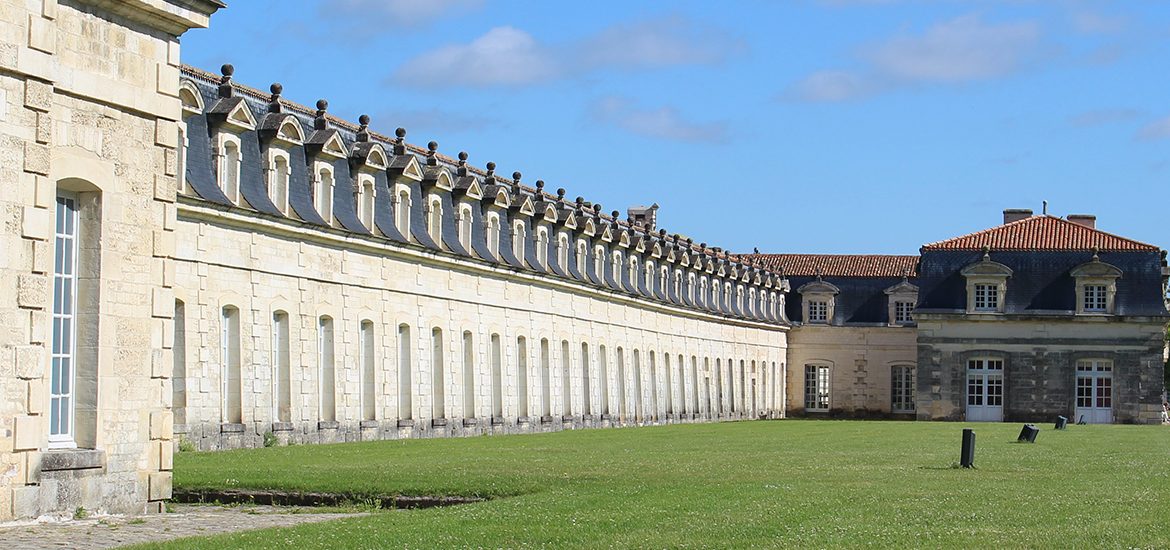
(985,390)
(1094,392)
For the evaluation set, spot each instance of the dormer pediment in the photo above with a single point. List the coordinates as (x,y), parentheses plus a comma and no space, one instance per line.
(570,220)
(234,114)
(904,288)
(376,157)
(656,250)
(987,268)
(623,239)
(684,259)
(590,228)
(722,271)
(406,166)
(333,146)
(368,156)
(670,255)
(710,267)
(1096,269)
(438,176)
(469,186)
(640,244)
(607,233)
(524,206)
(818,287)
(502,199)
(241,117)
(190,98)
(550,214)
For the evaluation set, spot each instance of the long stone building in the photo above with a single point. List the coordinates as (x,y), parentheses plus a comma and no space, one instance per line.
(187,259)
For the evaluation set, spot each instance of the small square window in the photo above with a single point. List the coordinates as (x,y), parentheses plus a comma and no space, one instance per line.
(902,312)
(818,311)
(1094,299)
(986,298)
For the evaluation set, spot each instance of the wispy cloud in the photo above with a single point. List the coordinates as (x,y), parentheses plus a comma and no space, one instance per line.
(507,56)
(1156,130)
(1101,117)
(1096,23)
(660,123)
(958,51)
(375,14)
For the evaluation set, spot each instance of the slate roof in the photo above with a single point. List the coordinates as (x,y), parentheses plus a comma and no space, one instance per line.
(1040,233)
(837,265)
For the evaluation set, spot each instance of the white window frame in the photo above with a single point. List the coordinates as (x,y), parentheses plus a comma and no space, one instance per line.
(366,197)
(519,234)
(323,190)
(903,312)
(541,244)
(902,388)
(278,189)
(435,219)
(229,180)
(986,297)
(62,389)
(402,201)
(492,233)
(464,223)
(818,311)
(818,391)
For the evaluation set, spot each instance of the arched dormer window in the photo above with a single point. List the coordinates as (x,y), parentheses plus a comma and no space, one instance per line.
(563,251)
(986,285)
(691,287)
(678,283)
(435,219)
(663,274)
(229,167)
(465,226)
(599,260)
(582,253)
(1096,287)
(648,276)
(727,296)
(703,292)
(492,233)
(818,301)
(278,175)
(633,271)
(715,294)
(365,200)
(542,246)
(518,236)
(192,104)
(751,303)
(616,266)
(323,193)
(402,210)
(739,299)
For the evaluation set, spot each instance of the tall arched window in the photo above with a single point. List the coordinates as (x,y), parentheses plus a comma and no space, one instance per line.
(402,211)
(435,220)
(702,297)
(497,357)
(715,304)
(468,375)
(323,199)
(585,401)
(230,170)
(566,380)
(638,413)
(366,361)
(542,246)
(518,236)
(492,234)
(281,368)
(326,369)
(678,284)
(563,251)
(682,387)
(621,383)
(669,383)
(231,382)
(438,382)
(599,261)
(648,277)
(545,379)
(719,386)
(521,376)
(633,271)
(616,271)
(278,182)
(405,364)
(179,351)
(582,253)
(465,227)
(695,407)
(690,288)
(365,201)
(653,388)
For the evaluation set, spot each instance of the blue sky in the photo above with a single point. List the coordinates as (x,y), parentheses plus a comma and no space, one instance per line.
(831,126)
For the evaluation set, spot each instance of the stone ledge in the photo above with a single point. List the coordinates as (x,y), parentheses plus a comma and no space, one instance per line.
(469,422)
(369,424)
(546,419)
(498,420)
(566,418)
(438,422)
(72,459)
(405,423)
(328,425)
(230,428)
(282,426)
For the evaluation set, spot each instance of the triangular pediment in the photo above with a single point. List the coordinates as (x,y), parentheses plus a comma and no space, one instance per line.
(641,247)
(607,234)
(685,259)
(241,117)
(570,220)
(656,250)
(526,207)
(334,146)
(407,166)
(474,190)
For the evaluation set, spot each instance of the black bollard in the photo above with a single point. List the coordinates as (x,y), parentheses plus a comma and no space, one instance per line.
(967,455)
(1028,434)
(1061,423)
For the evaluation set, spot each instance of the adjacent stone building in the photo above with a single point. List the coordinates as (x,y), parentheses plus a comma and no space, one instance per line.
(89,106)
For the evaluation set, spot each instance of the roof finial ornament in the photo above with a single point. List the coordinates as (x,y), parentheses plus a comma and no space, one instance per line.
(462,169)
(580,202)
(540,189)
(400,141)
(662,233)
(1096,251)
(432,153)
(225,82)
(516,181)
(490,176)
(274,102)
(597,209)
(363,133)
(561,194)
(614,214)
(986,253)
(319,121)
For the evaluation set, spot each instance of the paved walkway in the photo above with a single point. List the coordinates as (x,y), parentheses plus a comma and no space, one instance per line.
(186,520)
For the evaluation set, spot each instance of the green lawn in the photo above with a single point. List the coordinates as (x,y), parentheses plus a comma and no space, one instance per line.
(769,483)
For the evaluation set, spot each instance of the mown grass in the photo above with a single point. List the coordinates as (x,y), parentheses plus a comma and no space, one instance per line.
(773,484)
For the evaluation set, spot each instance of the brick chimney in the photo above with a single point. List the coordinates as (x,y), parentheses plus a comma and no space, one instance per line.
(1085,220)
(1016,214)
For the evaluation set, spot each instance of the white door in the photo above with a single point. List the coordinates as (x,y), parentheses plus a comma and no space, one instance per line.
(985,390)
(1094,392)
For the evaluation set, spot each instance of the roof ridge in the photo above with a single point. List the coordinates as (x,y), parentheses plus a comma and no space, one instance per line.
(958,244)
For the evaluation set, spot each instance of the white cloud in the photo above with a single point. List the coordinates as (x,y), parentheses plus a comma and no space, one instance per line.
(507,56)
(503,56)
(1159,129)
(662,123)
(952,52)
(399,13)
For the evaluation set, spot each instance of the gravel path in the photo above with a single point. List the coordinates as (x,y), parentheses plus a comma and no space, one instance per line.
(185,521)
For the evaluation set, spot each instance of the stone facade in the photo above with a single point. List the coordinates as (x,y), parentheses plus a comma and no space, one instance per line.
(861,361)
(88,107)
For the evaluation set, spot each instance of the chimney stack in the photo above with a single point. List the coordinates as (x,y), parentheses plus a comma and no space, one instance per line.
(1084,220)
(1016,214)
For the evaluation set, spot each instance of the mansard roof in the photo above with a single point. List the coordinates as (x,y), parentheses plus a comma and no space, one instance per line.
(837,265)
(1042,232)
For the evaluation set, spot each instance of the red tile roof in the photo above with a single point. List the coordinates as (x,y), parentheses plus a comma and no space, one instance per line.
(1040,233)
(837,265)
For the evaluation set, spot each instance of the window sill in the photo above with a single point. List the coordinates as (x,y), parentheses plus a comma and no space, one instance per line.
(72,459)
(368,424)
(282,426)
(328,425)
(231,428)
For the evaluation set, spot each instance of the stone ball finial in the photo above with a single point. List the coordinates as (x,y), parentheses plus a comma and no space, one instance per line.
(540,185)
(580,200)
(432,146)
(702,246)
(322,105)
(597,208)
(364,120)
(227,70)
(516,176)
(276,88)
(690,241)
(462,156)
(662,233)
(614,214)
(400,132)
(561,193)
(491,166)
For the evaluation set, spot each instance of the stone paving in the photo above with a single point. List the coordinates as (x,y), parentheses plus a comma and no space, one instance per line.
(186,520)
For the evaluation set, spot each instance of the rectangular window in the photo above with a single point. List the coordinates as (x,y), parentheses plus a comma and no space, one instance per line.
(369,389)
(326,369)
(281,372)
(902,389)
(816,388)
(902,312)
(1095,299)
(818,311)
(986,298)
(64,351)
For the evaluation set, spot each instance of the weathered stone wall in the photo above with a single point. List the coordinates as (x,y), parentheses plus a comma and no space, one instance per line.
(1040,357)
(860,360)
(88,104)
(261,265)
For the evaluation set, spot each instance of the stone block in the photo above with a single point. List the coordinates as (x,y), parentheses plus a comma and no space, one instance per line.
(42,34)
(162,302)
(164,244)
(166,133)
(159,366)
(36,158)
(46,192)
(168,79)
(162,425)
(173,50)
(36,396)
(166,456)
(38,95)
(164,187)
(29,362)
(32,467)
(49,9)
(42,256)
(36,223)
(32,291)
(26,501)
(27,433)
(159,486)
(40,326)
(44,128)
(72,459)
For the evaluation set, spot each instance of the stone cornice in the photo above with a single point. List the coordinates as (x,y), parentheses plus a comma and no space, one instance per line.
(171,16)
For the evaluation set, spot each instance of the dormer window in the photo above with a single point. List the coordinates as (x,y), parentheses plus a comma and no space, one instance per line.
(542,246)
(633,271)
(323,196)
(1096,287)
(818,311)
(616,265)
(402,211)
(278,174)
(229,168)
(599,260)
(678,283)
(902,313)
(902,299)
(703,292)
(663,274)
(649,277)
(465,227)
(752,302)
(727,296)
(492,234)
(582,254)
(715,293)
(435,220)
(819,299)
(986,285)
(691,287)
(739,299)
(563,251)
(518,237)
(365,200)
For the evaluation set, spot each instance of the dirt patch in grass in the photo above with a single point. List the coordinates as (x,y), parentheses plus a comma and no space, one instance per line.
(297,498)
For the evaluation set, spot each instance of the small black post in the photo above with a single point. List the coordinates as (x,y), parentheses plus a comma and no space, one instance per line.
(1061,423)
(967,456)
(1028,434)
